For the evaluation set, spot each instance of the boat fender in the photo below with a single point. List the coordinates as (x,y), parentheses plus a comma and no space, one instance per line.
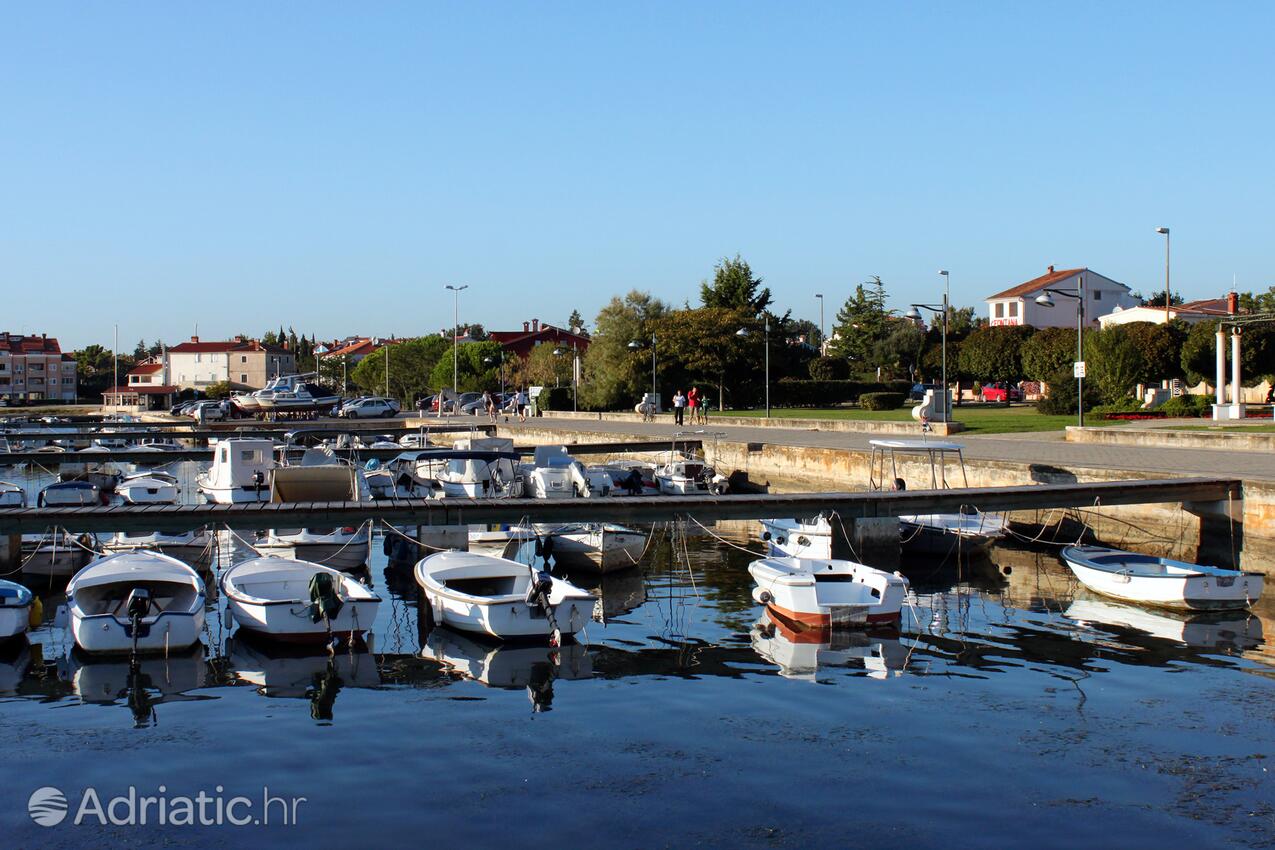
(781,540)
(803,540)
(765,535)
(227,618)
(544,547)
(765,597)
(372,464)
(35,616)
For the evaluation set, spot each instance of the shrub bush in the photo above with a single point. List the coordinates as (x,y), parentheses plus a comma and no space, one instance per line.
(829,369)
(555,398)
(881,401)
(1062,396)
(1186,406)
(1124,406)
(795,392)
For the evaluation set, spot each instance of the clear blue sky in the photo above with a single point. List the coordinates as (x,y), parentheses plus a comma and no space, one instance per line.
(332,166)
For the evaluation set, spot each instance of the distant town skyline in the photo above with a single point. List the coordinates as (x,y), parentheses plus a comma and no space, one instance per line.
(332,169)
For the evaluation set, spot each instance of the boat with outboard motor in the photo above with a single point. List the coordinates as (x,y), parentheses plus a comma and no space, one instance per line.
(499,597)
(240,472)
(824,593)
(1162,582)
(135,602)
(297,601)
(159,488)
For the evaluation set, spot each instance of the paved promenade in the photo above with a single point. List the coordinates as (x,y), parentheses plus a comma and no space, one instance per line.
(1046,447)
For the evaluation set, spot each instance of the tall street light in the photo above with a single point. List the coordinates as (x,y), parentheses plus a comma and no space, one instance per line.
(636,345)
(489,361)
(742,332)
(1165,231)
(822,338)
(575,372)
(939,309)
(456,291)
(1045,301)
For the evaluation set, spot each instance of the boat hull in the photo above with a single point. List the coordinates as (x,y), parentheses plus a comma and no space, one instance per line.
(14,620)
(346,557)
(1185,593)
(290,621)
(822,594)
(104,634)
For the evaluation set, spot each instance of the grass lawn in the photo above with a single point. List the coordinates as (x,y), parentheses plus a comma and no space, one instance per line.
(1247,429)
(977,420)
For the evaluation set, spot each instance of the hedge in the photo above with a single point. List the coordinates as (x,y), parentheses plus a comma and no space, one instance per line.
(554,398)
(796,392)
(1187,405)
(881,401)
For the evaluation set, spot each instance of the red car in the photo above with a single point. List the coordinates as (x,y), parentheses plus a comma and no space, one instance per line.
(1001,392)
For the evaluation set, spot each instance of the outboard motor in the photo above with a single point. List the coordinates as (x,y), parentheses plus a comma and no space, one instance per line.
(137,606)
(538,597)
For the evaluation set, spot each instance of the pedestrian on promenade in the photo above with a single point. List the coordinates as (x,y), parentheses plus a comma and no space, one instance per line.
(524,401)
(489,404)
(692,403)
(679,407)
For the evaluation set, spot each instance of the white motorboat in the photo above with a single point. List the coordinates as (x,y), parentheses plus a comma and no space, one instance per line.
(12,495)
(296,601)
(15,609)
(554,474)
(302,398)
(53,555)
(970,530)
(499,597)
(159,488)
(499,539)
(1233,631)
(476,473)
(804,653)
(1161,581)
(143,601)
(240,472)
(630,477)
(798,538)
(510,667)
(318,477)
(686,474)
(69,494)
(822,593)
(600,546)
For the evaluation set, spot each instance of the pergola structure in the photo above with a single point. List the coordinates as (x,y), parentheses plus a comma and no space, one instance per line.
(1234,410)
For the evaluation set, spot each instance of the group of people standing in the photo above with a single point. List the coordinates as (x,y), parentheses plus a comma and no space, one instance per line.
(693,401)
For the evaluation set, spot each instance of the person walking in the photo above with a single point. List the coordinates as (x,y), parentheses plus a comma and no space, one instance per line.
(524,401)
(679,407)
(489,404)
(692,403)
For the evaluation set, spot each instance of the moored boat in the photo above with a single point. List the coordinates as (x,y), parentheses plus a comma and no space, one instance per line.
(499,597)
(159,488)
(15,609)
(143,601)
(296,601)
(240,472)
(1161,581)
(821,593)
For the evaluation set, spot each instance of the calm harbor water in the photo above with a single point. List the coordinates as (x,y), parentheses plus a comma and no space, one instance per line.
(1005,710)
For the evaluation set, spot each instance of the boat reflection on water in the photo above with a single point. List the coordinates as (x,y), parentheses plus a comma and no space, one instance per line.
(300,672)
(142,682)
(802,654)
(15,660)
(1230,631)
(510,666)
(618,593)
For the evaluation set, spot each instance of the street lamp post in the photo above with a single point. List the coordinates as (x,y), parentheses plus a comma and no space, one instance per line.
(575,372)
(387,369)
(635,345)
(942,310)
(456,291)
(744,332)
(1079,295)
(822,338)
(491,360)
(1165,231)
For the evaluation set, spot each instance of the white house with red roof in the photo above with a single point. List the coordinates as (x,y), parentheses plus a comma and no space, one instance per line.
(243,363)
(1192,312)
(1017,305)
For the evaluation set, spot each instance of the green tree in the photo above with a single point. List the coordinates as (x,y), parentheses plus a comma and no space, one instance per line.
(546,368)
(220,389)
(1113,362)
(410,364)
(1161,349)
(994,353)
(575,324)
(829,369)
(1260,302)
(808,329)
(703,346)
(1048,353)
(615,376)
(861,324)
(735,287)
(900,351)
(470,368)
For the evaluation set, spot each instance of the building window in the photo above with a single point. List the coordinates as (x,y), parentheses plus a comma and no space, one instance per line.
(1000,310)
(1097,295)
(243,358)
(1013,309)
(243,379)
(199,358)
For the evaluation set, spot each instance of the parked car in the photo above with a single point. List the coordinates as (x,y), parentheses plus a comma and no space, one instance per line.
(207,411)
(919,390)
(370,408)
(1001,392)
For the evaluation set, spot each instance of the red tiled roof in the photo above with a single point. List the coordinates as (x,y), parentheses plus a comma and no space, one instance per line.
(198,347)
(1207,306)
(25,344)
(359,346)
(140,389)
(1035,285)
(146,369)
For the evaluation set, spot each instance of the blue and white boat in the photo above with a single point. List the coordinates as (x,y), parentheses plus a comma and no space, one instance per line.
(1160,581)
(15,609)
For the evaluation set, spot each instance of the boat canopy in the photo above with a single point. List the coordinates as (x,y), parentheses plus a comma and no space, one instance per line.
(916,446)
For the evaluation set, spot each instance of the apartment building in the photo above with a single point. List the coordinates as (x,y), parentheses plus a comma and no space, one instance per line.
(243,363)
(33,368)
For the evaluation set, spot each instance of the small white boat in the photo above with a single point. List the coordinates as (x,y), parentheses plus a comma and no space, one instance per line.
(159,488)
(944,534)
(12,496)
(502,598)
(600,546)
(53,555)
(818,593)
(305,397)
(142,601)
(240,472)
(69,494)
(15,609)
(499,540)
(554,474)
(689,476)
(274,596)
(1160,581)
(318,477)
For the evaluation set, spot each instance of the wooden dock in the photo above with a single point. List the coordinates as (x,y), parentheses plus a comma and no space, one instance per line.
(624,509)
